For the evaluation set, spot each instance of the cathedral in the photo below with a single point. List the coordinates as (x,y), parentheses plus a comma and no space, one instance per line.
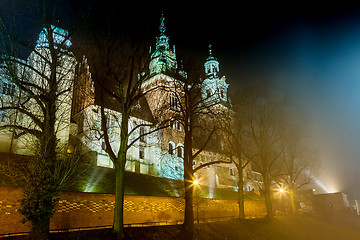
(159,153)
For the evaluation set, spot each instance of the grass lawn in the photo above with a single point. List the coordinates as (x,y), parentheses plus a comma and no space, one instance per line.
(89,178)
(102,180)
(281,228)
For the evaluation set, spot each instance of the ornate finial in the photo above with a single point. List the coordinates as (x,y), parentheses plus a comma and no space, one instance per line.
(162,27)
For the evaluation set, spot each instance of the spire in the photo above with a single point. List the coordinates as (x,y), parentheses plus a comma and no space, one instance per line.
(214,87)
(162,41)
(211,65)
(162,27)
(210,57)
(163,58)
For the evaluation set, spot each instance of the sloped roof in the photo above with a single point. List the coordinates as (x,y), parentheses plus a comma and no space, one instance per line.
(141,110)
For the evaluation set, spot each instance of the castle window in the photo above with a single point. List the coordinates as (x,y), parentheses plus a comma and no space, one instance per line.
(208,93)
(174,103)
(3,114)
(171,123)
(171,148)
(178,125)
(141,153)
(232,172)
(142,136)
(180,151)
(8,89)
(214,69)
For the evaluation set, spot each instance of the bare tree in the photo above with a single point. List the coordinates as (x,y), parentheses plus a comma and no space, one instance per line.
(196,112)
(262,110)
(298,160)
(38,112)
(119,66)
(236,135)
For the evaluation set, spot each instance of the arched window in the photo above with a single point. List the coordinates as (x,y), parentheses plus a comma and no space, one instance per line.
(142,134)
(171,123)
(232,172)
(171,147)
(178,125)
(180,150)
(174,102)
(208,93)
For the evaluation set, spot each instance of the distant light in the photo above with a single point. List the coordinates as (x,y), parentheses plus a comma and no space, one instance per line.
(196,182)
(281,190)
(320,184)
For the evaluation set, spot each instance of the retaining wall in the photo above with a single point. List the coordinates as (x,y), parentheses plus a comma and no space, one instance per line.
(78,209)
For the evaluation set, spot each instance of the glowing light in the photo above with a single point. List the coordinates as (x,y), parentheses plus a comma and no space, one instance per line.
(320,184)
(196,182)
(281,190)
(94,180)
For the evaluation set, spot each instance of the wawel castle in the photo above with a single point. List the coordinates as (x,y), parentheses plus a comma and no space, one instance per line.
(158,154)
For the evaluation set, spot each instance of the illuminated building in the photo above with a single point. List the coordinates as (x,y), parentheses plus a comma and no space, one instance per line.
(35,74)
(160,153)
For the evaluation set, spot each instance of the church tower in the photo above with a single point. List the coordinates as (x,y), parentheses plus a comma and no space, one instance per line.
(211,65)
(214,87)
(163,59)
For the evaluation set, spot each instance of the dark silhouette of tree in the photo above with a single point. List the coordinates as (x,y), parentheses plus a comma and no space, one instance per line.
(236,135)
(37,108)
(196,112)
(119,66)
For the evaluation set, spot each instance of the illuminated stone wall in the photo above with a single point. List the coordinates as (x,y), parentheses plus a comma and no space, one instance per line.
(77,210)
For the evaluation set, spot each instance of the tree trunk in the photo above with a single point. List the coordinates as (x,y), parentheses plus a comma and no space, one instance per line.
(241,196)
(119,202)
(39,206)
(118,227)
(188,226)
(40,230)
(269,209)
(292,199)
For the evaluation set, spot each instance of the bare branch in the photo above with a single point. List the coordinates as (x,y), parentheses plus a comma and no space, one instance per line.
(205,144)
(211,163)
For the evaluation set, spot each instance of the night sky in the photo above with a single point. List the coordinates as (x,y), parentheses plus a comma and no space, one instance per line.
(310,52)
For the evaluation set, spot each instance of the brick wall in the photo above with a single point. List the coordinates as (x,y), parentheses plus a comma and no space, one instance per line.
(77,209)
